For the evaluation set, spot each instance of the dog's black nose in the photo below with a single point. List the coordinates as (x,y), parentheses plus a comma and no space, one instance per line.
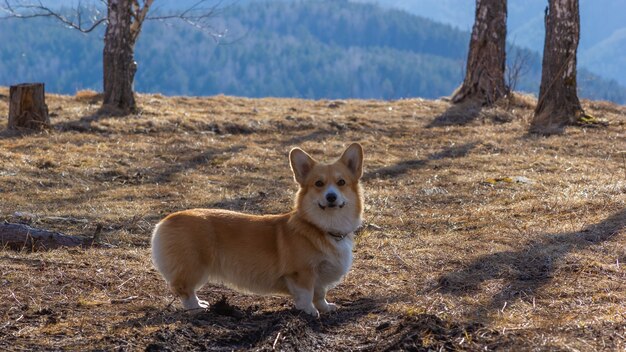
(331,197)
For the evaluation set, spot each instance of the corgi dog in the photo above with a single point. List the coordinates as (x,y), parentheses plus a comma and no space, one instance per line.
(302,253)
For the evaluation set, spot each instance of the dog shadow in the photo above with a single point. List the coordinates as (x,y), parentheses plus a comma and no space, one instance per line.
(227,327)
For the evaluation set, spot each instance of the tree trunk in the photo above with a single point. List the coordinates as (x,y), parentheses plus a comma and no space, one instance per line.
(484,76)
(19,236)
(27,107)
(118,60)
(558,103)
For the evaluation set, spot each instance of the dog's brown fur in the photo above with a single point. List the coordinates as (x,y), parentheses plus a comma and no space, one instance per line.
(302,253)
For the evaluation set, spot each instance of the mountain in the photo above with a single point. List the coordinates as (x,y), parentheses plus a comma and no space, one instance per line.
(602,48)
(308,49)
(328,49)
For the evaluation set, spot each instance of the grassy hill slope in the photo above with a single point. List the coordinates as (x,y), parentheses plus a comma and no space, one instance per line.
(455,254)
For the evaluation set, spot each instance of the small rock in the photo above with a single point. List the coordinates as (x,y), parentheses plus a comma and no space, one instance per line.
(434,190)
(336,103)
(337,125)
(522,179)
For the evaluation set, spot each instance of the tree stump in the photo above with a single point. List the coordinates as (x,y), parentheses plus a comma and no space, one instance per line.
(27,107)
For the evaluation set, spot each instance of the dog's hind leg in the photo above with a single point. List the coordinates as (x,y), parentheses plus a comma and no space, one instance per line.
(186,284)
(180,263)
(187,295)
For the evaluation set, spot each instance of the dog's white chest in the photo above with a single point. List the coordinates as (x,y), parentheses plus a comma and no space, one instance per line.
(332,269)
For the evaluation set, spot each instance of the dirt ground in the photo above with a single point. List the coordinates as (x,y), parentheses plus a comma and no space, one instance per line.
(477,235)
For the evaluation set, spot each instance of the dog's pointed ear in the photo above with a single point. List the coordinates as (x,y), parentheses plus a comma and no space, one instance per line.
(301,164)
(353,159)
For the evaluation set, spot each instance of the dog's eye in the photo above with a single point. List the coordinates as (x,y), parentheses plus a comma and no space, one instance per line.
(319,184)
(341,182)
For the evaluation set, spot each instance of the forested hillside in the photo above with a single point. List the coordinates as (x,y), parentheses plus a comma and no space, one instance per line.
(602,47)
(320,49)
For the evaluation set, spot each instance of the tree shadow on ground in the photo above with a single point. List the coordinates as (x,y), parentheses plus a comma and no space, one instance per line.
(114,179)
(404,166)
(245,204)
(84,124)
(164,173)
(529,269)
(18,133)
(467,112)
(317,135)
(457,114)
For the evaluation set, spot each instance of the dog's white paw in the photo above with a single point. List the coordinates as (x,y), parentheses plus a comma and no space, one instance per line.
(326,307)
(331,307)
(309,309)
(314,313)
(192,303)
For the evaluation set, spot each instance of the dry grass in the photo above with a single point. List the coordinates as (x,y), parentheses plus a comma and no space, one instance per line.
(455,256)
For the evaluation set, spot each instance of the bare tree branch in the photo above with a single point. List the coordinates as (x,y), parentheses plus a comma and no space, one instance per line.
(517,67)
(138,13)
(33,10)
(196,15)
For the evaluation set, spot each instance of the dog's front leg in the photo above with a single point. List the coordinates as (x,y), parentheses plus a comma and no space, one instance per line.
(300,286)
(319,300)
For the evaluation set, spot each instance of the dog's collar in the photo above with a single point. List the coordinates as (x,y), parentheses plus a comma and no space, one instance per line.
(337,236)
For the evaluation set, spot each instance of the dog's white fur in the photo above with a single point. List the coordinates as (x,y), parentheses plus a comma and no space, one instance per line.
(303,253)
